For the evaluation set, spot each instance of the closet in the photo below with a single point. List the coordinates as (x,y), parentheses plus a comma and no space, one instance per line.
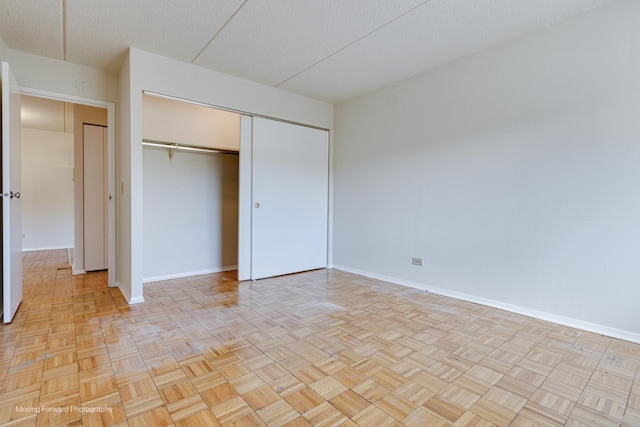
(224,190)
(190,189)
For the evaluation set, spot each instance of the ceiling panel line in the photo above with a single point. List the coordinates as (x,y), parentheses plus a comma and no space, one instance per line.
(233,15)
(352,43)
(64,29)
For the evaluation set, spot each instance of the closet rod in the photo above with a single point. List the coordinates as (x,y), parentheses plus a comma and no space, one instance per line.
(176,146)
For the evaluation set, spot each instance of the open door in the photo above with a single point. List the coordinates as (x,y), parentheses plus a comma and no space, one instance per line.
(95,197)
(11,204)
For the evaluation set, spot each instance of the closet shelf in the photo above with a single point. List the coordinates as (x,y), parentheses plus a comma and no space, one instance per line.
(172,146)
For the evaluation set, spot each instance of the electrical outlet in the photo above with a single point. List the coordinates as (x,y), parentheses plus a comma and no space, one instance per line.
(416,261)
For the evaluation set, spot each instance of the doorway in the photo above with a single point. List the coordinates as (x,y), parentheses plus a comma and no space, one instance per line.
(76,112)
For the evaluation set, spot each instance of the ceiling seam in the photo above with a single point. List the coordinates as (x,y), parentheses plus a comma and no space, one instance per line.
(64,30)
(352,43)
(233,15)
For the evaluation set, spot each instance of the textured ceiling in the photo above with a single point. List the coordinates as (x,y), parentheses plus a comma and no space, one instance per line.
(331,50)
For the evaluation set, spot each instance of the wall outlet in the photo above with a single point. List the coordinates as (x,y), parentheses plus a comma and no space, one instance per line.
(416,261)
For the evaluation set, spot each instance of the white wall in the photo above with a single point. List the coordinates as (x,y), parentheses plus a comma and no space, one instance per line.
(185,81)
(47,189)
(3,49)
(52,75)
(145,71)
(514,173)
(126,268)
(190,213)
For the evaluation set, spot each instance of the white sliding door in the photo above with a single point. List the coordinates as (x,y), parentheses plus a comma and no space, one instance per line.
(289,198)
(95,197)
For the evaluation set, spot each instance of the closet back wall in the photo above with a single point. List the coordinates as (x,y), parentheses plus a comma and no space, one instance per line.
(190,213)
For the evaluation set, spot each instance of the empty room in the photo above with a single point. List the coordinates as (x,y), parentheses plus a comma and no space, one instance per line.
(301,213)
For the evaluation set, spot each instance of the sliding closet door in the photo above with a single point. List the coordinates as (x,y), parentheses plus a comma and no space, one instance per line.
(289,198)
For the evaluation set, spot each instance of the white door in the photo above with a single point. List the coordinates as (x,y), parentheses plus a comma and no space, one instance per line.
(290,187)
(95,197)
(11,203)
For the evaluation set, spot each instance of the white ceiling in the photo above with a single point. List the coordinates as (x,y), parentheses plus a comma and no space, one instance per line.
(330,50)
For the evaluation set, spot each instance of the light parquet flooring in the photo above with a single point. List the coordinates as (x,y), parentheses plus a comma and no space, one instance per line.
(324,348)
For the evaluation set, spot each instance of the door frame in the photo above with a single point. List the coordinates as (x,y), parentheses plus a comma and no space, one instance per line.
(111,175)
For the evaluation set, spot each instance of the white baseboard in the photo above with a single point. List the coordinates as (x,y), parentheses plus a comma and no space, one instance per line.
(562,320)
(48,248)
(188,274)
(78,271)
(127,295)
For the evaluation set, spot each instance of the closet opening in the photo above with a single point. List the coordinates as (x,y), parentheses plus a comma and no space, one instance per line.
(190,189)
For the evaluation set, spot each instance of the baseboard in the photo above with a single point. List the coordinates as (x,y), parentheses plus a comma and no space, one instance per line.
(127,296)
(70,256)
(137,300)
(48,248)
(78,271)
(549,317)
(188,274)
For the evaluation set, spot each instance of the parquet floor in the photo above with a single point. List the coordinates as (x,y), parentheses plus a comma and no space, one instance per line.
(322,348)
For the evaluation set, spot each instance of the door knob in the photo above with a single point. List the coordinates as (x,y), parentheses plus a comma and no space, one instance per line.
(257,205)
(16,195)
